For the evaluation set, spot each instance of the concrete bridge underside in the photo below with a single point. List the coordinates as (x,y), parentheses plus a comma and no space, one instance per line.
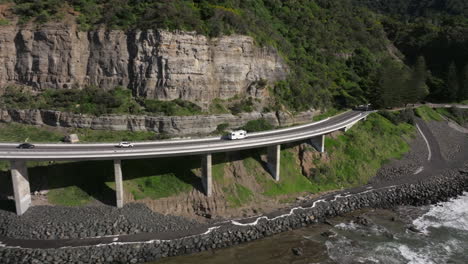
(22,192)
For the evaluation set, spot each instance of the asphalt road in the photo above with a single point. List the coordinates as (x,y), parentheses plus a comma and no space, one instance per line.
(165,148)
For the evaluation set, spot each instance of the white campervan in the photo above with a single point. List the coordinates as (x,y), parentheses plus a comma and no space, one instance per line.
(238,134)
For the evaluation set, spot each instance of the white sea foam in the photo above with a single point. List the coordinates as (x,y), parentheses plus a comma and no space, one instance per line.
(414,257)
(451,214)
(432,252)
(351,226)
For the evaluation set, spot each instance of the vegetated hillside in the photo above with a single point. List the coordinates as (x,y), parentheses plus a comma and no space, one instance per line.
(334,48)
(338,51)
(418,8)
(436,31)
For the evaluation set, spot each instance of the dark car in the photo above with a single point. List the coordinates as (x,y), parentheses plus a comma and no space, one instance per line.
(366,107)
(26,146)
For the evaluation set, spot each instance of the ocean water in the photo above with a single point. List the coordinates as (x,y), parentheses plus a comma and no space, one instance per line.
(411,235)
(440,235)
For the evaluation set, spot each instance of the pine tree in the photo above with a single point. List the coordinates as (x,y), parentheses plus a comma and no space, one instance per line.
(418,89)
(393,79)
(453,85)
(463,92)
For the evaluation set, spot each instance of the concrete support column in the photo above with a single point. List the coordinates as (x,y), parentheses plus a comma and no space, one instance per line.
(273,159)
(207,179)
(118,183)
(318,143)
(348,127)
(21,189)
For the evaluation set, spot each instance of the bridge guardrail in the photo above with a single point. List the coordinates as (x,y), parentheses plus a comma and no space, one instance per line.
(127,154)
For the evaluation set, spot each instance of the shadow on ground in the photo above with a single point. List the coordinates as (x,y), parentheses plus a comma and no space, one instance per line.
(96,178)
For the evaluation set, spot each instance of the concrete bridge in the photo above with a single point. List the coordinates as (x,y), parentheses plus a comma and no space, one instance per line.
(272,140)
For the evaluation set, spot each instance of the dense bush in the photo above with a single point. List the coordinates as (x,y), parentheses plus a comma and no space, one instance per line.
(221,128)
(243,106)
(257,125)
(93,101)
(172,108)
(403,116)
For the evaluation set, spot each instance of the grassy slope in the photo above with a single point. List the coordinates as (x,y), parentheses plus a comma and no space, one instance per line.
(13,132)
(428,114)
(160,177)
(18,133)
(355,157)
(79,183)
(459,115)
(291,179)
(235,193)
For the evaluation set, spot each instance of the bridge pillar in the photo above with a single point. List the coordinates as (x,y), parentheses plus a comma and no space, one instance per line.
(273,159)
(207,180)
(118,183)
(318,143)
(21,189)
(348,127)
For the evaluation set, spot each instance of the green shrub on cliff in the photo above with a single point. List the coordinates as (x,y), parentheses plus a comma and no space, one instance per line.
(172,108)
(94,101)
(257,125)
(90,100)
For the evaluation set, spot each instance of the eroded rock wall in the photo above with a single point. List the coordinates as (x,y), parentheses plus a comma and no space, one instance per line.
(171,125)
(154,64)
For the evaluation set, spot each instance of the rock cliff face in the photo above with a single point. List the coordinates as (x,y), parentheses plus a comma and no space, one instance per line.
(171,125)
(154,64)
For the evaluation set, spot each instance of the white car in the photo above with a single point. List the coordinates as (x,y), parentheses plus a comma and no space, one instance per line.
(125,144)
(238,134)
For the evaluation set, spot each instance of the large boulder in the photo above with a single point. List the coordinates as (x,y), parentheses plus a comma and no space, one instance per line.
(72,138)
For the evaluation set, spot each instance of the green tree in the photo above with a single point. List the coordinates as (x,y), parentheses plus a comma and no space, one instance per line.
(453,83)
(463,92)
(393,80)
(417,88)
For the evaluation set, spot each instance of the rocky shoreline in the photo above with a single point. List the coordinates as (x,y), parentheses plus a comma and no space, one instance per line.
(61,222)
(126,249)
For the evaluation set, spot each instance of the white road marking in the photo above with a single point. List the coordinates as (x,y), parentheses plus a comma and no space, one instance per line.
(429,156)
(419,170)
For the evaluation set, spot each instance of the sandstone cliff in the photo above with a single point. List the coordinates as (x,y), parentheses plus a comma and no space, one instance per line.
(171,125)
(153,64)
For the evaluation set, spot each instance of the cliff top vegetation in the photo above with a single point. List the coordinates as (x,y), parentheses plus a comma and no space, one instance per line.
(342,53)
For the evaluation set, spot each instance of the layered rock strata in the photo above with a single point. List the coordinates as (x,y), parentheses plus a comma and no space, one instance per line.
(171,125)
(153,64)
